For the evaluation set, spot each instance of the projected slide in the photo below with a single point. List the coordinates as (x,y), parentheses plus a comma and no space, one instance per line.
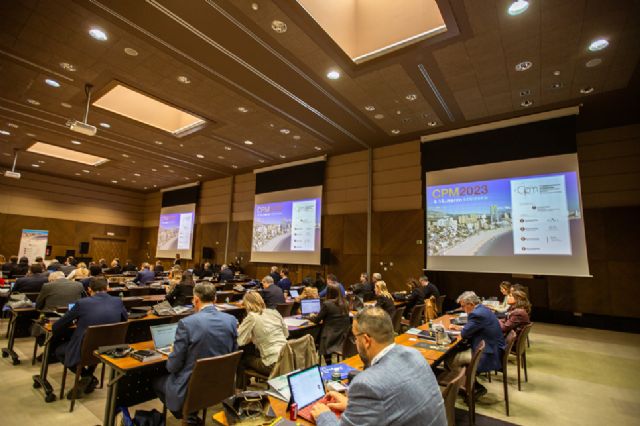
(519,216)
(286,226)
(175,231)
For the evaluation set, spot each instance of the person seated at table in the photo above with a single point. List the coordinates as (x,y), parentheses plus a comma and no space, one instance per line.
(21,269)
(415,296)
(481,325)
(332,279)
(158,268)
(275,274)
(114,269)
(129,266)
(266,329)
(284,283)
(180,293)
(100,308)
(364,289)
(80,272)
(33,281)
(145,276)
(505,290)
(226,274)
(5,266)
(397,387)
(59,291)
(308,293)
(334,315)
(69,265)
(94,271)
(271,293)
(384,299)
(518,314)
(54,265)
(207,270)
(205,334)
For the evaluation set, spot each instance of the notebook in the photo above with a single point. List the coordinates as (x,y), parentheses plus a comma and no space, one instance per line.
(163,337)
(309,307)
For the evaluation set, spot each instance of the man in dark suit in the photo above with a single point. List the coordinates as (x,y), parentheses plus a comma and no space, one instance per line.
(32,282)
(94,271)
(271,293)
(482,324)
(59,291)
(177,261)
(145,276)
(364,289)
(98,309)
(226,274)
(397,387)
(207,333)
(7,267)
(158,269)
(428,288)
(129,266)
(275,274)
(68,266)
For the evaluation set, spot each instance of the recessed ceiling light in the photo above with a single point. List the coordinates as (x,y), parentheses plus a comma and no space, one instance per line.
(184,79)
(285,131)
(587,90)
(234,166)
(411,97)
(35,165)
(125,155)
(130,51)
(65,104)
(227,148)
(52,82)
(105,125)
(370,108)
(31,135)
(526,103)
(15,126)
(378,116)
(123,178)
(186,178)
(85,171)
(278,26)
(557,85)
(41,161)
(33,102)
(260,160)
(155,186)
(518,7)
(283,156)
(158,142)
(77,174)
(137,174)
(199,155)
(154,170)
(395,131)
(67,66)
(76,142)
(243,109)
(144,187)
(220,157)
(166,166)
(248,142)
(98,34)
(296,137)
(199,175)
(593,62)
(171,171)
(114,181)
(398,112)
(317,148)
(598,44)
(333,75)
(432,123)
(5,133)
(255,6)
(524,65)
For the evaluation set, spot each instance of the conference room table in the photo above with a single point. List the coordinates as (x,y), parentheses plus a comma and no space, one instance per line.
(432,354)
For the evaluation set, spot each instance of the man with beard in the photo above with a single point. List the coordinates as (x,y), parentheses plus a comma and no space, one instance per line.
(397,387)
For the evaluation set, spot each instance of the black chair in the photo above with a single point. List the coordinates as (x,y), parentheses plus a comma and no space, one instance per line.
(450,393)
(397,319)
(415,320)
(284,309)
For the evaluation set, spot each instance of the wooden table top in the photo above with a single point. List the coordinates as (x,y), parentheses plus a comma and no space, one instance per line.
(129,363)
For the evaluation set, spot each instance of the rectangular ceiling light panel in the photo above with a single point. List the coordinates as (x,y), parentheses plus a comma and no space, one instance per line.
(366,29)
(66,154)
(147,110)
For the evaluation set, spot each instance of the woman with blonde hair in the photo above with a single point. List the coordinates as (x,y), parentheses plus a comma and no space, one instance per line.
(267,332)
(80,272)
(384,299)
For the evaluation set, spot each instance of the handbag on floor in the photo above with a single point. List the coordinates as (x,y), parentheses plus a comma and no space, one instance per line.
(249,408)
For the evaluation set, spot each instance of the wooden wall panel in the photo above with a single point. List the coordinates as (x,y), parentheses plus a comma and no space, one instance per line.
(397,183)
(152,206)
(346,184)
(243,197)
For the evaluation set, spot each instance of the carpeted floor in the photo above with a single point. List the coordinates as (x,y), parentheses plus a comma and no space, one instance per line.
(576,377)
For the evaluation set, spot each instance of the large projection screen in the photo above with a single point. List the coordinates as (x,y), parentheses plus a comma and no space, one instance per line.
(287,226)
(175,232)
(519,217)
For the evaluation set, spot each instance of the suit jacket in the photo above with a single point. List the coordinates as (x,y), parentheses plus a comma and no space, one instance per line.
(145,276)
(158,268)
(275,276)
(129,267)
(364,290)
(67,269)
(482,324)
(400,389)
(30,283)
(418,297)
(59,293)
(335,327)
(96,310)
(272,296)
(387,304)
(205,334)
(515,319)
(19,269)
(179,294)
(284,284)
(226,275)
(113,271)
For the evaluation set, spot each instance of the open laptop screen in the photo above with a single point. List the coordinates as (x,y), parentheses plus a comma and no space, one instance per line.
(294,293)
(306,386)
(309,306)
(163,335)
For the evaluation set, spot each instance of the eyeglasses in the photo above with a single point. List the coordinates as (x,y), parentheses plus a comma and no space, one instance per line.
(358,334)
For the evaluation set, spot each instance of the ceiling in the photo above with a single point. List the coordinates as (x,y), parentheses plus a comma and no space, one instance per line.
(251,83)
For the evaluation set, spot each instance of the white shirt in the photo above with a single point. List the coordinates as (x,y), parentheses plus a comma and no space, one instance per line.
(381,354)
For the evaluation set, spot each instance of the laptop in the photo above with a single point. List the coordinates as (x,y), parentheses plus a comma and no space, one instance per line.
(309,307)
(70,306)
(294,293)
(306,388)
(163,337)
